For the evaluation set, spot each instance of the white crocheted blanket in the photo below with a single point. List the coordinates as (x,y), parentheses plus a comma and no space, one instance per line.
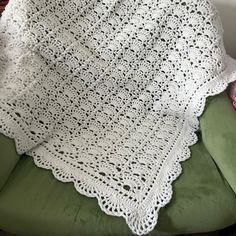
(107,93)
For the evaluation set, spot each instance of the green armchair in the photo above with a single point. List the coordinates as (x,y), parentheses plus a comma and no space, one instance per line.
(34,203)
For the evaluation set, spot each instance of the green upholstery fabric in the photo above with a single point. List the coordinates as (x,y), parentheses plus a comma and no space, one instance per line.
(34,203)
(8,158)
(218,126)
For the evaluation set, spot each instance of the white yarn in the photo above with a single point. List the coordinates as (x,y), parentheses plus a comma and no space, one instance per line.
(106,93)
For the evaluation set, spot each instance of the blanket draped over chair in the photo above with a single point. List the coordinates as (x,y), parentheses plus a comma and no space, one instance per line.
(107,93)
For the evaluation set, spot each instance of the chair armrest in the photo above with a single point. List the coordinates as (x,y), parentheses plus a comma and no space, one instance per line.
(8,158)
(218,127)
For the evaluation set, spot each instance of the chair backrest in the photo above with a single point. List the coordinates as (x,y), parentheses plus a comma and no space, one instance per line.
(227,9)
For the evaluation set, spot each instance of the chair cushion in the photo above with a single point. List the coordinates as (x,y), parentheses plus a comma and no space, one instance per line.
(218,127)
(33,202)
(8,158)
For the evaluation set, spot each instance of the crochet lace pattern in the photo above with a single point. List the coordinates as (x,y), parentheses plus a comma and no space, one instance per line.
(107,93)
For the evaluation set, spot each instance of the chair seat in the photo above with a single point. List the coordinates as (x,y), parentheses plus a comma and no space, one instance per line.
(33,202)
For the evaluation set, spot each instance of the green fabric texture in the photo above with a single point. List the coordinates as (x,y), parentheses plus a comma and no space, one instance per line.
(34,203)
(8,158)
(218,126)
